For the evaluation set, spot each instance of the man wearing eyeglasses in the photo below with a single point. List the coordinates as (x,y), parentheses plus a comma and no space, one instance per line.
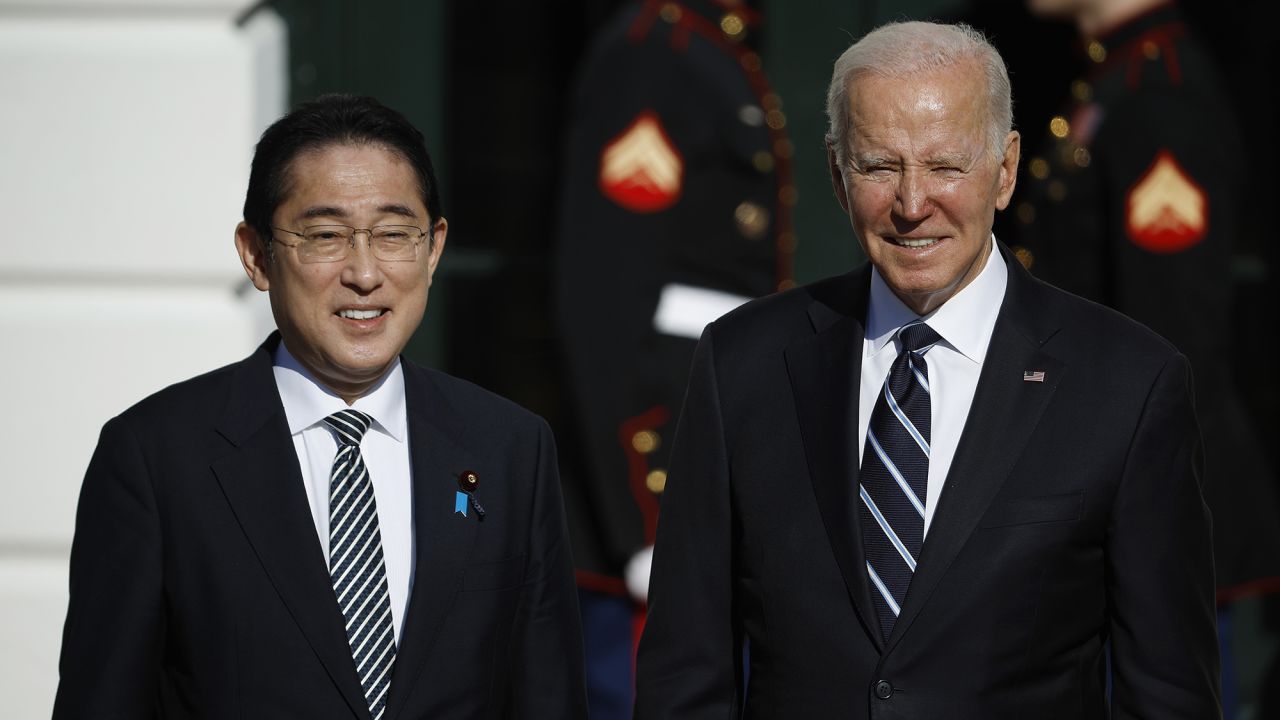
(326,530)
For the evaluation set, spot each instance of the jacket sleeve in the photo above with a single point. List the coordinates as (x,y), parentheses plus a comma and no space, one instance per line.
(690,657)
(547,658)
(1160,566)
(114,631)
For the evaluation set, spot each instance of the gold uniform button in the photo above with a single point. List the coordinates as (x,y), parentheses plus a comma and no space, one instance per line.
(733,26)
(1081,157)
(783,148)
(1097,53)
(775,119)
(763,161)
(1039,168)
(645,441)
(1024,256)
(670,12)
(1026,213)
(751,62)
(656,481)
(752,220)
(1082,91)
(1059,126)
(771,101)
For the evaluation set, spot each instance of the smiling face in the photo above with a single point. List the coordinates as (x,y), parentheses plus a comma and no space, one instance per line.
(922,186)
(345,321)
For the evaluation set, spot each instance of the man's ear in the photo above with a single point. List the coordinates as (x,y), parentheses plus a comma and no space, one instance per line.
(1008,169)
(837,179)
(435,247)
(253,252)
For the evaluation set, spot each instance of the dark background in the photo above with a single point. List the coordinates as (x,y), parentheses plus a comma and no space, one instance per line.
(487,82)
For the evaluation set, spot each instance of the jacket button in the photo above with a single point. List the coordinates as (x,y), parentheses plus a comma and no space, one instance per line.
(884,690)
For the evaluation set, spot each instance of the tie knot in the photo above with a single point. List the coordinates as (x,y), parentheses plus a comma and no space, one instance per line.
(350,425)
(917,336)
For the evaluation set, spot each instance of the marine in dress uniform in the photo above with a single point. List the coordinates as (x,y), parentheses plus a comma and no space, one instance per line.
(1131,203)
(676,207)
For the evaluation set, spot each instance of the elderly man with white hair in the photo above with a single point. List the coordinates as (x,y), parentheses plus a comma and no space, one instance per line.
(933,487)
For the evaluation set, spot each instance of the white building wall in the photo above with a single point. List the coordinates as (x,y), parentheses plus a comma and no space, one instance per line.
(124,153)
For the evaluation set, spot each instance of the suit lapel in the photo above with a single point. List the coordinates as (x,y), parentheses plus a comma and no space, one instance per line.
(439,454)
(1002,417)
(824,369)
(263,484)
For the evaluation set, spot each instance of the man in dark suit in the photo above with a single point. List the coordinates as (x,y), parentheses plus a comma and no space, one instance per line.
(326,530)
(934,487)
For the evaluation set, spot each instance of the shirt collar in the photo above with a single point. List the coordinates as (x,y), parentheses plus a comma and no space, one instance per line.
(307,402)
(965,322)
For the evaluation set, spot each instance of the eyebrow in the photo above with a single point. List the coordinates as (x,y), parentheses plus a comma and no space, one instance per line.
(953,159)
(322,211)
(863,160)
(394,209)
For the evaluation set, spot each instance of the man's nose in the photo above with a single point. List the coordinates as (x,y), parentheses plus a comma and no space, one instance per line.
(912,200)
(361,269)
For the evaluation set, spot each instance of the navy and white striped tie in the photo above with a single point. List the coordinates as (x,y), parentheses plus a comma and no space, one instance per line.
(895,474)
(355,561)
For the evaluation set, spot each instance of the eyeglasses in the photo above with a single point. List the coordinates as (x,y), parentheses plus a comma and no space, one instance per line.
(332,243)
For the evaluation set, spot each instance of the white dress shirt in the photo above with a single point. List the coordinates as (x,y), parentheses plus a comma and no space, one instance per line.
(385,449)
(965,322)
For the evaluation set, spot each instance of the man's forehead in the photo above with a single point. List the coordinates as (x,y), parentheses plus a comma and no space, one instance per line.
(936,142)
(936,115)
(338,179)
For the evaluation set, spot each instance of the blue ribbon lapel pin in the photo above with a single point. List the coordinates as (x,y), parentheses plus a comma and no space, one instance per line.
(468,483)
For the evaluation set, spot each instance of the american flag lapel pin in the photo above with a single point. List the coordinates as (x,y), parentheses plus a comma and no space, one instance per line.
(1032,376)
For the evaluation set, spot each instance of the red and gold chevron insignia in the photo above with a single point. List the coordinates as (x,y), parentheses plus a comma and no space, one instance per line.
(1166,211)
(641,169)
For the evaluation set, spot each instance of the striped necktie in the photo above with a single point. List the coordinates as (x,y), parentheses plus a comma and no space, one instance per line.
(895,473)
(355,561)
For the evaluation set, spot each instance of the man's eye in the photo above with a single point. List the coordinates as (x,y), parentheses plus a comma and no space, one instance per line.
(324,236)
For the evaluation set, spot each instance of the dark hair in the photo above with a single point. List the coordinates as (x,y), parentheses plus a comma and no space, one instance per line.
(332,120)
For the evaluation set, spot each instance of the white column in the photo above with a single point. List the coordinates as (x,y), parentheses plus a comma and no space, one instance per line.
(124,154)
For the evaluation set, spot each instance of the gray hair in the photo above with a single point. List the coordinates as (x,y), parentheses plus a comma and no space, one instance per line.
(904,49)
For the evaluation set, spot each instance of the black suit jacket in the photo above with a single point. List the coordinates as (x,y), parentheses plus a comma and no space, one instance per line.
(199,589)
(1071,516)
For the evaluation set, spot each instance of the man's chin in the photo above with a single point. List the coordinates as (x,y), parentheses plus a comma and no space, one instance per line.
(352,376)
